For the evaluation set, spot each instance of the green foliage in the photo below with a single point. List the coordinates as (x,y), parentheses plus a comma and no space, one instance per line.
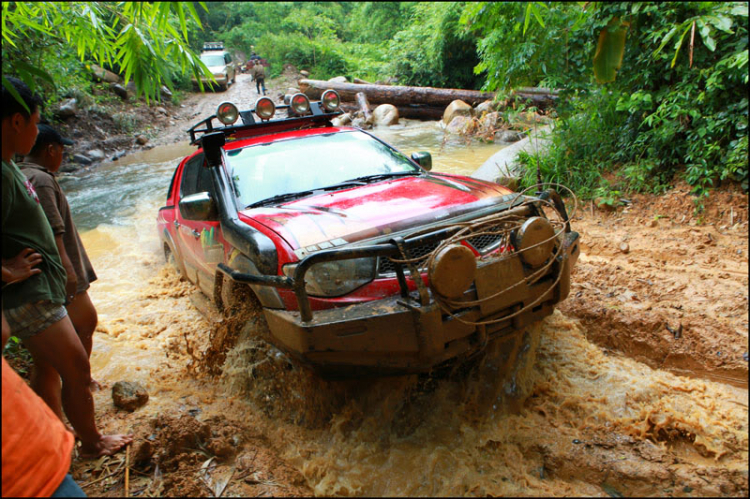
(678,106)
(434,50)
(135,39)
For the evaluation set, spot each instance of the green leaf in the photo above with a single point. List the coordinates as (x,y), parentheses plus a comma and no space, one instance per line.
(35,70)
(705,32)
(535,11)
(7,85)
(610,50)
(527,18)
(678,45)
(666,39)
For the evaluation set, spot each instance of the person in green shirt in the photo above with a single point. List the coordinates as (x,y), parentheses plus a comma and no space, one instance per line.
(32,301)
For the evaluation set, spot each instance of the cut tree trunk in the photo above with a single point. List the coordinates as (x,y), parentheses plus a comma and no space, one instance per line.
(364,106)
(401,96)
(395,94)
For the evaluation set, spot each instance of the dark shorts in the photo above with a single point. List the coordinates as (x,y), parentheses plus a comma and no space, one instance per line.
(33,318)
(69,488)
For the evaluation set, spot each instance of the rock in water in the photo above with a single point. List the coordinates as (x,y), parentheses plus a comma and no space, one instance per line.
(129,395)
(456,108)
(385,114)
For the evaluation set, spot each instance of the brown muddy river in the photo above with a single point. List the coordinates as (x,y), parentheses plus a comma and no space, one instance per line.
(597,423)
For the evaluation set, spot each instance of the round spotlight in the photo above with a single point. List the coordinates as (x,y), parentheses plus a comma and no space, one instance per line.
(265,108)
(452,270)
(227,113)
(300,104)
(330,100)
(535,241)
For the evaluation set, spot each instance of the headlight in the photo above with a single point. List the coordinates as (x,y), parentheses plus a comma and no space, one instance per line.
(336,278)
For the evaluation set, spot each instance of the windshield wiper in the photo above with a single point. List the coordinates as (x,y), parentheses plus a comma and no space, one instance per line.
(280,198)
(382,176)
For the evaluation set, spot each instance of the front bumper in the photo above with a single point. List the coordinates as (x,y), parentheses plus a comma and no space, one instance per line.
(412,332)
(399,335)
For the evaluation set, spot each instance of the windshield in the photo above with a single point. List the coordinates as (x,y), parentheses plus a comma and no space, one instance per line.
(213,60)
(266,170)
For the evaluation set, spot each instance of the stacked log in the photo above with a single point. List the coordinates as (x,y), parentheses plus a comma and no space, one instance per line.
(425,103)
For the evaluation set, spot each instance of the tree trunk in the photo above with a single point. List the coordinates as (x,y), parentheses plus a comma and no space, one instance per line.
(395,94)
(364,106)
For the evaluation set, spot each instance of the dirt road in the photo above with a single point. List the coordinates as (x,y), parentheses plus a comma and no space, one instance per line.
(640,386)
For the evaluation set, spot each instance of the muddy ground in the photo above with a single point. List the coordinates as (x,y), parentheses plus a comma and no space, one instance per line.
(639,386)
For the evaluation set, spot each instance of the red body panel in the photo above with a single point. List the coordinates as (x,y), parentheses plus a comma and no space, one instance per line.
(352,214)
(372,210)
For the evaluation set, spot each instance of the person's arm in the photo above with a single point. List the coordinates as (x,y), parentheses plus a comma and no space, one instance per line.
(22,266)
(72,283)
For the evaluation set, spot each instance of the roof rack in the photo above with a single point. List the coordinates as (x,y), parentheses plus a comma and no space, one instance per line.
(213,46)
(251,124)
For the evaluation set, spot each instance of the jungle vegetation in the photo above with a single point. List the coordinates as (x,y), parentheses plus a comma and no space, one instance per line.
(650,92)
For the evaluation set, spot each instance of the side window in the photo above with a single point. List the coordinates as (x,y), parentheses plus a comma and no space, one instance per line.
(195,177)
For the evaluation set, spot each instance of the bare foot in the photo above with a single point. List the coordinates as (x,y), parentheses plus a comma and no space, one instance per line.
(106,446)
(95,386)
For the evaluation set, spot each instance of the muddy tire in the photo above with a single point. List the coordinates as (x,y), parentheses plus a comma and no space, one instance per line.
(171,260)
(235,298)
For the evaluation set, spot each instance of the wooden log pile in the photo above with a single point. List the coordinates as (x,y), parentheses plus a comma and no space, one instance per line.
(424,103)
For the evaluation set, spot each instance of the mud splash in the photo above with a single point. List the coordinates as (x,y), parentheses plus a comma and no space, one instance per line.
(228,409)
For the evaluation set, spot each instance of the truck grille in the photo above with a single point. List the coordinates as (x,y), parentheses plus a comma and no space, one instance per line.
(483,244)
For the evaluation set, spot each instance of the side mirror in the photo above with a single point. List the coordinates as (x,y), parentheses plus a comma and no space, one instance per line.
(200,207)
(212,144)
(423,159)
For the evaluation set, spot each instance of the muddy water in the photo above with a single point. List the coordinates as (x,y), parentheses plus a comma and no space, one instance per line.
(595,424)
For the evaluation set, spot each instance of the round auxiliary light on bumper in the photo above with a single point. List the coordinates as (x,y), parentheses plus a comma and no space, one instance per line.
(534,241)
(330,100)
(452,270)
(300,104)
(265,108)
(227,113)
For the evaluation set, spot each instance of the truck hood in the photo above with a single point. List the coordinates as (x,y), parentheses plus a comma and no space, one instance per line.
(335,218)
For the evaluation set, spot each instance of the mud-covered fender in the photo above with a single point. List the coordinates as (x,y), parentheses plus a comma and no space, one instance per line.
(267,295)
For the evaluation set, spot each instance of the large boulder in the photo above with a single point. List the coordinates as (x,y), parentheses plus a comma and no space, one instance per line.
(102,74)
(339,79)
(385,114)
(129,395)
(456,108)
(68,108)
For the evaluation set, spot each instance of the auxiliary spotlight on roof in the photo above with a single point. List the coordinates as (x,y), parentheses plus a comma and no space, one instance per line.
(227,113)
(330,100)
(300,104)
(265,108)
